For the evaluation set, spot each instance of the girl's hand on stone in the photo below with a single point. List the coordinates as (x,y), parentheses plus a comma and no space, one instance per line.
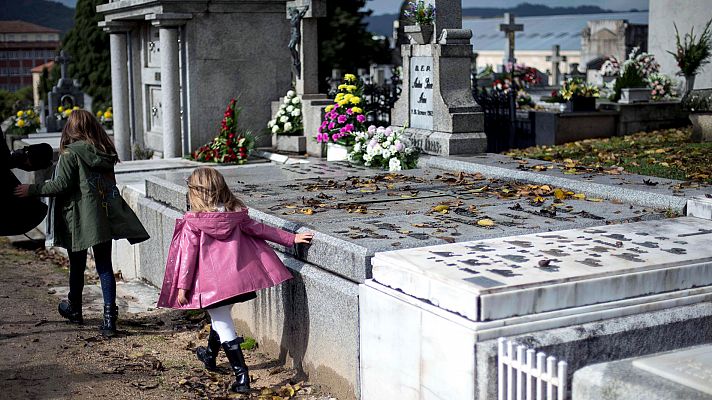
(182,300)
(303,237)
(22,190)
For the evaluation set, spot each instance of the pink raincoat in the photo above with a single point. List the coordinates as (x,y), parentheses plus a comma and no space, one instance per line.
(219,255)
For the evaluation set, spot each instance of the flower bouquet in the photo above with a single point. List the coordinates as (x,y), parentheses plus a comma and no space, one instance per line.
(419,13)
(231,145)
(24,122)
(288,120)
(383,148)
(580,95)
(345,116)
(106,117)
(661,86)
(64,112)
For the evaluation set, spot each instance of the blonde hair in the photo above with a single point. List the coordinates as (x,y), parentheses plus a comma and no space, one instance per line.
(207,189)
(83,125)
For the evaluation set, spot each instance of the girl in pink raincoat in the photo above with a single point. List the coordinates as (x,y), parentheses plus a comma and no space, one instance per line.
(218,257)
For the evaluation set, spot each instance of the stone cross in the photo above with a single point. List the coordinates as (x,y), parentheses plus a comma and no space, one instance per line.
(510,28)
(555,58)
(448,15)
(302,16)
(63,60)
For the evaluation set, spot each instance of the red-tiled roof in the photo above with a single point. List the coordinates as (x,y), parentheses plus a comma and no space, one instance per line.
(39,68)
(24,27)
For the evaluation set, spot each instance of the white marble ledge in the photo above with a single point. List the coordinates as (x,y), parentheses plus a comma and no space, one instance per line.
(504,277)
(700,207)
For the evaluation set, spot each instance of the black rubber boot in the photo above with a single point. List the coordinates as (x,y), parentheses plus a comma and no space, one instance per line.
(111,313)
(237,362)
(71,311)
(209,354)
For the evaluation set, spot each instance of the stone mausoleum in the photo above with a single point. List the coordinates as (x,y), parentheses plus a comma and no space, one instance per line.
(176,64)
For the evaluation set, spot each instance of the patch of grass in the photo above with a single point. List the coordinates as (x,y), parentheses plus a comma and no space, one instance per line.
(248,344)
(667,153)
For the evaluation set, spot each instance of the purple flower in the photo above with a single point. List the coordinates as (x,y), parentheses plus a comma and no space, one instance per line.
(332,125)
(349,127)
(342,118)
(372,129)
(350,111)
(361,118)
(389,131)
(324,124)
(335,137)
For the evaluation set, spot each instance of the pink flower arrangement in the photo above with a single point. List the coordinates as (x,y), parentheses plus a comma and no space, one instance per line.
(345,116)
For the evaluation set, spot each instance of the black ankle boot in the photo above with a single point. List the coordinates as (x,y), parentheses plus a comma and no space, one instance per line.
(209,354)
(111,313)
(237,362)
(71,311)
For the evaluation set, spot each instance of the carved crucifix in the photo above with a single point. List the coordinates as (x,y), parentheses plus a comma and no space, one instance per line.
(63,60)
(295,20)
(510,29)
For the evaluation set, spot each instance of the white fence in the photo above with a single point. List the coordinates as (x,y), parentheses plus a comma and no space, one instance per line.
(524,375)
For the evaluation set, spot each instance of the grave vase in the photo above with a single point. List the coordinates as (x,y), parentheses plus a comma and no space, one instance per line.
(420,34)
(290,142)
(634,95)
(701,127)
(336,152)
(581,104)
(689,84)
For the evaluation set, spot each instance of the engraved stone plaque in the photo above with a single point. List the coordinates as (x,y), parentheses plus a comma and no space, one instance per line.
(691,367)
(155,109)
(421,92)
(152,47)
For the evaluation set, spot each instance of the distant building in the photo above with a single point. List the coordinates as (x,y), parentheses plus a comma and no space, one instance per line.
(36,77)
(24,46)
(573,33)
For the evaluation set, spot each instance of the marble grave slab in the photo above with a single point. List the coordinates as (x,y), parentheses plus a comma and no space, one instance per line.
(690,367)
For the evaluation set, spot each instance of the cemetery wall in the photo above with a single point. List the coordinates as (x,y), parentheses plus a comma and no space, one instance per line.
(661,34)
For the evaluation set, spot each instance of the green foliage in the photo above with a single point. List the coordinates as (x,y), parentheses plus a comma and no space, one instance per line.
(11,102)
(344,41)
(692,51)
(248,344)
(698,101)
(631,78)
(88,46)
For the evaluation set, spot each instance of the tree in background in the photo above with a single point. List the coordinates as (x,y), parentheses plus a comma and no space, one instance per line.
(344,41)
(88,47)
(11,102)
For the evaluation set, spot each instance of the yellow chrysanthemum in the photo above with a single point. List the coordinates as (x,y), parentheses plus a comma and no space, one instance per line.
(343,86)
(329,108)
(108,114)
(351,88)
(339,97)
(66,113)
(20,114)
(356,110)
(342,102)
(75,108)
(60,109)
(20,123)
(350,77)
(99,113)
(355,100)
(348,96)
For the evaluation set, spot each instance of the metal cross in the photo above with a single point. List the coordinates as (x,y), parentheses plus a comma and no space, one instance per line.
(510,28)
(555,58)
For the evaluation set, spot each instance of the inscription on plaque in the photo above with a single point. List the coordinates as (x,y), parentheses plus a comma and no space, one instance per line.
(421,92)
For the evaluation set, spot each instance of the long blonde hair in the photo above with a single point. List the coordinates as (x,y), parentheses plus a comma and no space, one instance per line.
(83,125)
(207,189)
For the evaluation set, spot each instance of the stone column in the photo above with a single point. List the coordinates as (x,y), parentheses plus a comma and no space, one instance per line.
(168,30)
(308,82)
(119,87)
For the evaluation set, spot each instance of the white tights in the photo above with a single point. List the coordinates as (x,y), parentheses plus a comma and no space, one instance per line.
(222,323)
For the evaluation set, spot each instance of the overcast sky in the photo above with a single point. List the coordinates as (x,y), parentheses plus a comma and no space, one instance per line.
(391,6)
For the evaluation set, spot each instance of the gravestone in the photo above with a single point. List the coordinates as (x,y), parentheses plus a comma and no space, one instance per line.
(510,29)
(436,107)
(555,58)
(303,16)
(66,93)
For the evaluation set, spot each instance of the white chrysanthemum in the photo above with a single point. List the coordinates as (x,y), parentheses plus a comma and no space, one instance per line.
(287,100)
(394,165)
(295,100)
(271,123)
(275,129)
(357,147)
(289,109)
(287,126)
(386,154)
(297,112)
(284,119)
(290,93)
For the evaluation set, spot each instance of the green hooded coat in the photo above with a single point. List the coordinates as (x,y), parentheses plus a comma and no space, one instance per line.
(89,208)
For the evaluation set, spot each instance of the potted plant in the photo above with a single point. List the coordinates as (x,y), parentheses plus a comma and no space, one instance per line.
(287,127)
(579,95)
(24,122)
(423,17)
(692,53)
(232,145)
(342,119)
(383,148)
(699,103)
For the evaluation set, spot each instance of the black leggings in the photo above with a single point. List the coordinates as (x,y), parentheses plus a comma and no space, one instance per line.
(77,265)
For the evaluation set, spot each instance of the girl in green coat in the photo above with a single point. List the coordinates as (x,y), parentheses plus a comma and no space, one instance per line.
(88,211)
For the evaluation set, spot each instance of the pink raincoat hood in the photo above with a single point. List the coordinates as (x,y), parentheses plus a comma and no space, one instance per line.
(218,255)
